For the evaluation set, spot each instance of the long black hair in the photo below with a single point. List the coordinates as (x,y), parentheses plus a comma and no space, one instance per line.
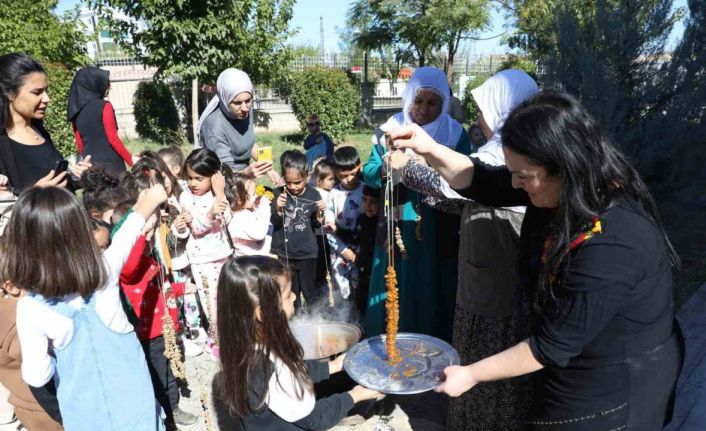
(203,162)
(14,69)
(554,131)
(246,344)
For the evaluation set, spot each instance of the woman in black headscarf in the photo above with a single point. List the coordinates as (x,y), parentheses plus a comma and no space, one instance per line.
(93,121)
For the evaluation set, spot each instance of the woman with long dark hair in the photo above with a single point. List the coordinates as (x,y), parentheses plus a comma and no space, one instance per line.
(27,153)
(93,121)
(594,259)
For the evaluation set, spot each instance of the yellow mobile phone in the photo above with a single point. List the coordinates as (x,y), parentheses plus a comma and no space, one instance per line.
(264,154)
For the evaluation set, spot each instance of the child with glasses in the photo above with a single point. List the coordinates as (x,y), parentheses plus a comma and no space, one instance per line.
(317,144)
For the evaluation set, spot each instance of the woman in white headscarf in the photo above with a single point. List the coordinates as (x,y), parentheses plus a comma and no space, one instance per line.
(427,278)
(227,127)
(492,312)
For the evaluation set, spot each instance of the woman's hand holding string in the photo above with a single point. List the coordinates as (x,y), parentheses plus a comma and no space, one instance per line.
(398,159)
(411,136)
(458,171)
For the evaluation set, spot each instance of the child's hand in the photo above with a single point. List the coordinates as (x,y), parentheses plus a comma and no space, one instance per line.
(4,183)
(330,226)
(190,288)
(281,201)
(336,365)
(321,205)
(180,224)
(360,393)
(219,206)
(149,200)
(218,185)
(150,224)
(348,255)
(186,216)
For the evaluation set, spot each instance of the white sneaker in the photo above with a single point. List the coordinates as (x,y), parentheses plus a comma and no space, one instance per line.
(191,349)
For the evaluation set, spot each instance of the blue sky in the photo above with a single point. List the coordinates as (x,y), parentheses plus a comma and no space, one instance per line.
(307,13)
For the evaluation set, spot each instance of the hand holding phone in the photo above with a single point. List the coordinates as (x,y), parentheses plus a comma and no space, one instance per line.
(264,154)
(61,167)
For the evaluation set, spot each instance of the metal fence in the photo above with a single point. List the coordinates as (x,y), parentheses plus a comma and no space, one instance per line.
(377,67)
(126,73)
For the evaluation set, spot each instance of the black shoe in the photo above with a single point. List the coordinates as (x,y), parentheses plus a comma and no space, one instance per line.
(184,418)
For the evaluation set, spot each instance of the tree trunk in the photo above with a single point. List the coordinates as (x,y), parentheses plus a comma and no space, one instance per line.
(195,105)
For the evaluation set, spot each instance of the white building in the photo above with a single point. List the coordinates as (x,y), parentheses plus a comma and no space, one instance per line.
(100,39)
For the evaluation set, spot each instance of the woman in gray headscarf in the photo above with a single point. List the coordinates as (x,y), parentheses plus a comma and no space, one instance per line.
(227,126)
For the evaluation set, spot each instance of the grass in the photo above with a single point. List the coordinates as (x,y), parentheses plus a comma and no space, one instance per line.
(279,142)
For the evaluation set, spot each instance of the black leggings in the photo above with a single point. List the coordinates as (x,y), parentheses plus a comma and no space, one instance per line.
(303,280)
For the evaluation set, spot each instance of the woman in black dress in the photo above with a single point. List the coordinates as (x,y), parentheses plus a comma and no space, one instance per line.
(595,261)
(27,154)
(93,121)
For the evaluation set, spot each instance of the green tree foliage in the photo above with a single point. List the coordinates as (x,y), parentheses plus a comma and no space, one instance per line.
(30,26)
(612,55)
(202,38)
(419,26)
(329,94)
(470,107)
(612,59)
(521,63)
(459,20)
(155,113)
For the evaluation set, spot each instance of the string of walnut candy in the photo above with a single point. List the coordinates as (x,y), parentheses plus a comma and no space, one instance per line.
(205,406)
(171,348)
(209,311)
(392,307)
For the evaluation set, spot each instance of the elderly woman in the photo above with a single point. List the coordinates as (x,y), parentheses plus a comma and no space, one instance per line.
(595,261)
(227,125)
(427,277)
(491,309)
(27,153)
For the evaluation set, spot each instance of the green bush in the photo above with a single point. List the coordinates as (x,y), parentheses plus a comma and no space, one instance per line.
(521,63)
(156,115)
(329,94)
(470,108)
(59,77)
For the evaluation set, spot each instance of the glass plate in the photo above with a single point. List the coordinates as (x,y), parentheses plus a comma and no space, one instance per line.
(421,368)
